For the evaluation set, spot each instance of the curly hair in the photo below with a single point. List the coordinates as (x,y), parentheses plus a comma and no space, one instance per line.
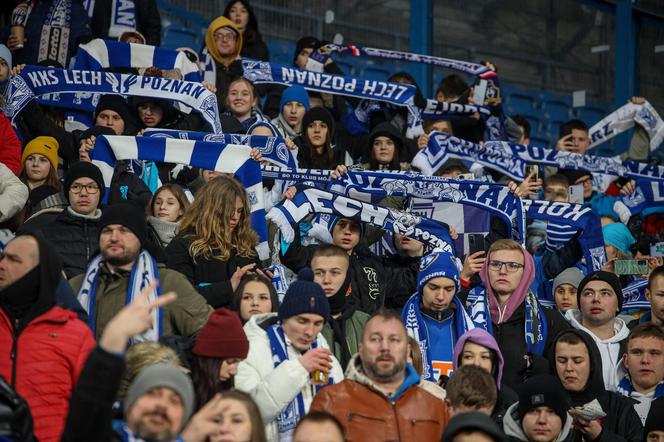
(207,222)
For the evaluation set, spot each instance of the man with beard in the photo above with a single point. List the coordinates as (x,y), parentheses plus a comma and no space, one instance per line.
(42,346)
(343,332)
(117,275)
(381,398)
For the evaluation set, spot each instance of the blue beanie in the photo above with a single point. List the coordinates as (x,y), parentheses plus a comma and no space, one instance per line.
(437,265)
(6,55)
(619,236)
(304,296)
(295,93)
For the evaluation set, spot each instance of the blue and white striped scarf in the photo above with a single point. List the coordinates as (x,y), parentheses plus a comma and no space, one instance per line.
(623,119)
(143,272)
(273,149)
(35,82)
(311,200)
(291,415)
(510,159)
(99,54)
(227,158)
(417,328)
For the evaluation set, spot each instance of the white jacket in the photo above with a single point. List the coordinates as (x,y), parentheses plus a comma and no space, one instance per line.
(13,193)
(273,388)
(608,348)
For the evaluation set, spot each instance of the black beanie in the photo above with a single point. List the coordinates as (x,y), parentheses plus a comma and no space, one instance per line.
(304,296)
(87,170)
(608,277)
(472,422)
(655,419)
(543,390)
(115,103)
(126,214)
(388,130)
(321,114)
(305,42)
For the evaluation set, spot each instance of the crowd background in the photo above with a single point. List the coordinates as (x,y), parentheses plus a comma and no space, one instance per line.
(135,303)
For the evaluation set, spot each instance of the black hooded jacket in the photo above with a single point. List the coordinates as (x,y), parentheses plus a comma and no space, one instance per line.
(621,423)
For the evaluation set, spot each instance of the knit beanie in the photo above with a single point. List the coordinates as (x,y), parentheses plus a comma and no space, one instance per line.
(619,236)
(655,419)
(304,296)
(437,265)
(115,103)
(571,276)
(6,55)
(96,131)
(222,336)
(295,93)
(543,390)
(600,275)
(320,114)
(87,170)
(303,43)
(162,376)
(471,422)
(126,214)
(43,145)
(388,130)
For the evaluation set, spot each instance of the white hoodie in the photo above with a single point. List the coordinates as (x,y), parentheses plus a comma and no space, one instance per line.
(608,348)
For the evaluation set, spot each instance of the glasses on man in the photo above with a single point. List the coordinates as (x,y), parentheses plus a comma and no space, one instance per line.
(89,188)
(224,36)
(511,267)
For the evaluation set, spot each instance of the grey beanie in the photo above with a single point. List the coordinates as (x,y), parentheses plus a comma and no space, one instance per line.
(162,375)
(571,276)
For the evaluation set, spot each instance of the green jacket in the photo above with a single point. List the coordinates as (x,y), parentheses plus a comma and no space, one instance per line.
(185,316)
(354,327)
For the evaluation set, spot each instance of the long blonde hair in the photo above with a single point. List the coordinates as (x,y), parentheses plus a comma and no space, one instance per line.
(207,221)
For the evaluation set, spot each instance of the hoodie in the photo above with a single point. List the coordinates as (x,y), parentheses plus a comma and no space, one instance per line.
(514,431)
(611,350)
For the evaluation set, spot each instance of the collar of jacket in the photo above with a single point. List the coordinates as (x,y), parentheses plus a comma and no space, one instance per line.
(355,373)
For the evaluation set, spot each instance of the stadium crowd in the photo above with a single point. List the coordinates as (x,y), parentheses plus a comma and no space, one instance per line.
(135,303)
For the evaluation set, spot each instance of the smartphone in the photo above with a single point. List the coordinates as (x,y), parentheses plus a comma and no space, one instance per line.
(631,267)
(534,168)
(475,243)
(657,249)
(576,194)
(466,176)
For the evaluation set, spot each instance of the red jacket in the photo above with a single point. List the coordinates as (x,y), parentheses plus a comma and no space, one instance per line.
(10,145)
(48,356)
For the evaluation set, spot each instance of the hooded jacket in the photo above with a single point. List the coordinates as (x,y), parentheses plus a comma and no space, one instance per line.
(367,414)
(514,431)
(223,63)
(42,347)
(621,422)
(253,45)
(610,349)
(506,396)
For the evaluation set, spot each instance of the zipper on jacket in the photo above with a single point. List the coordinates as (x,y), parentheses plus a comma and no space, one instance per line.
(87,241)
(14,352)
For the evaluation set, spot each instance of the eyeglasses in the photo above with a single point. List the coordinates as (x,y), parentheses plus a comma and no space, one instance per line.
(510,266)
(229,36)
(89,188)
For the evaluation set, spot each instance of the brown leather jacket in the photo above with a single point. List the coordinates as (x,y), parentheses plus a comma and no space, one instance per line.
(369,415)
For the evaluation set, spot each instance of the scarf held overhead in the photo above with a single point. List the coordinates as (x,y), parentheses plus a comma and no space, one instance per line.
(54,38)
(227,158)
(623,119)
(35,82)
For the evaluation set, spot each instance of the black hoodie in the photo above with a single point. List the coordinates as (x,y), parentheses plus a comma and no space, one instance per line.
(621,422)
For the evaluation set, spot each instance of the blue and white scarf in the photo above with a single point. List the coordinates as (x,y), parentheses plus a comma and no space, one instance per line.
(625,388)
(417,328)
(99,54)
(648,194)
(311,200)
(128,436)
(273,149)
(123,17)
(54,38)
(397,94)
(291,415)
(623,119)
(510,159)
(227,158)
(35,82)
(634,295)
(143,272)
(208,67)
(535,324)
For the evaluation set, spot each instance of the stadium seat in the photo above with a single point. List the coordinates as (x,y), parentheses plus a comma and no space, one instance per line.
(375,73)
(590,115)
(176,37)
(556,110)
(520,103)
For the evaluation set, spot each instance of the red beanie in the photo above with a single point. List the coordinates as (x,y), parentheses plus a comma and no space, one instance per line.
(222,337)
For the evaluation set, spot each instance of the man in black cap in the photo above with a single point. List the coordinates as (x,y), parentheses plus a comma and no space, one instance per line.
(112,111)
(541,413)
(600,299)
(475,427)
(74,232)
(124,267)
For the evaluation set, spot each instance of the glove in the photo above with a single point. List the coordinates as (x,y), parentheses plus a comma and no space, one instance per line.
(622,211)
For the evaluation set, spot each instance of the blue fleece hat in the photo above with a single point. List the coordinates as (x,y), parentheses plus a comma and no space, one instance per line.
(6,55)
(437,265)
(619,236)
(295,93)
(263,124)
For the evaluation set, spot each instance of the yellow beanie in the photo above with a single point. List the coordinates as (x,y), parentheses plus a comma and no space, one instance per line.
(217,23)
(47,146)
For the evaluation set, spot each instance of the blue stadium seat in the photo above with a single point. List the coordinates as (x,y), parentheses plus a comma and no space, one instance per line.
(375,73)
(176,37)
(554,127)
(520,103)
(556,110)
(590,115)
(281,51)
(540,140)
(535,123)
